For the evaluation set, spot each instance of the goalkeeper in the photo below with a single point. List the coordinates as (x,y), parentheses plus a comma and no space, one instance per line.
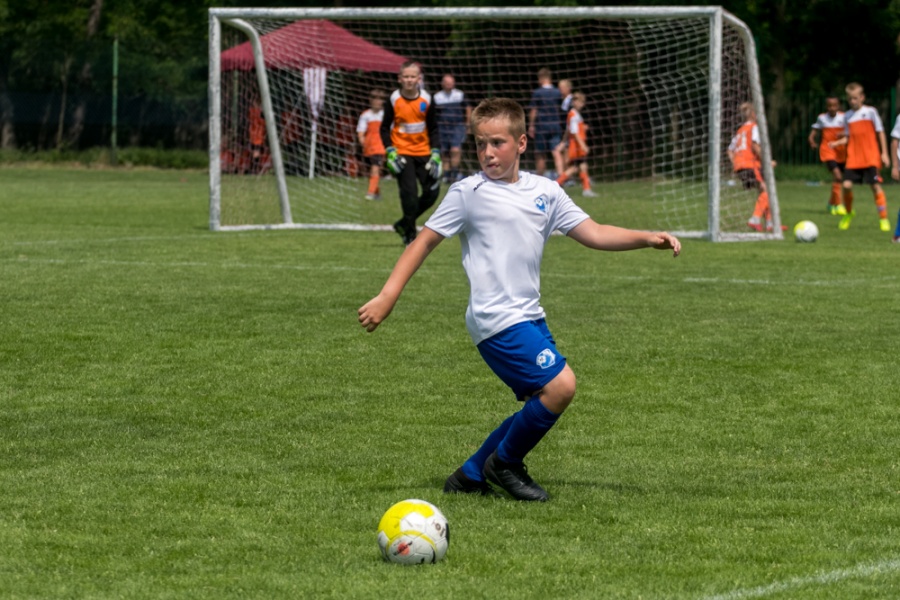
(410,134)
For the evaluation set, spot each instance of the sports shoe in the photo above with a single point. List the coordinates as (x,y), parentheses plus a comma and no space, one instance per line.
(460,483)
(845,220)
(884,225)
(839,209)
(589,193)
(755,226)
(373,196)
(896,239)
(406,236)
(770,227)
(401,231)
(514,479)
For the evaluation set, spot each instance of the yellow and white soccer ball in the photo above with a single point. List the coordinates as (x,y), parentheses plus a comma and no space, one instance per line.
(413,532)
(806,231)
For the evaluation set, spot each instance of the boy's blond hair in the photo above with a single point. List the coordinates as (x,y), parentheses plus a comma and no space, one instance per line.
(410,63)
(545,74)
(500,108)
(747,110)
(854,88)
(579,96)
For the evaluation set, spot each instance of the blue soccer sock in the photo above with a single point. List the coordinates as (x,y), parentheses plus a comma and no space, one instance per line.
(529,426)
(897,229)
(475,465)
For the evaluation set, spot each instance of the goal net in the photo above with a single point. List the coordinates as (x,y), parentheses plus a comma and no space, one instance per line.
(663,88)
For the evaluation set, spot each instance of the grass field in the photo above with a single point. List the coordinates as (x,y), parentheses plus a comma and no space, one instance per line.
(190,414)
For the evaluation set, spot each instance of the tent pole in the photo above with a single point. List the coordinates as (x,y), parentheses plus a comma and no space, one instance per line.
(312,149)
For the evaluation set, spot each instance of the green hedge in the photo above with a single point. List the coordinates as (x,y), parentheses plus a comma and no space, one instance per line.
(101,157)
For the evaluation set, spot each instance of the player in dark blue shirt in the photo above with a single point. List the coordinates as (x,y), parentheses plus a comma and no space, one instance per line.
(544,125)
(453,112)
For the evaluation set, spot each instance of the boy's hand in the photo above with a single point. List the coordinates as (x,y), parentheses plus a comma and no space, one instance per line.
(394,162)
(434,167)
(373,312)
(665,241)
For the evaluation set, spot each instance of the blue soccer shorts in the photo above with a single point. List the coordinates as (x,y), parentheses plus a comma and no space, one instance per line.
(524,357)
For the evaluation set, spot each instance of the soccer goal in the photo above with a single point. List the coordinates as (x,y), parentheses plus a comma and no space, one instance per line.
(663,87)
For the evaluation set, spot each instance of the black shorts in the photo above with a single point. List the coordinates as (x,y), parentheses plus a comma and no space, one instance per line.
(831,165)
(868,176)
(375,160)
(750,178)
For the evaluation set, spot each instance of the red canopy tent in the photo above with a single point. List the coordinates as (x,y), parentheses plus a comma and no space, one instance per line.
(306,44)
(314,47)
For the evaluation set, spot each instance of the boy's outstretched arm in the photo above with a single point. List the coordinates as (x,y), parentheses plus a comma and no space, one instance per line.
(376,310)
(609,237)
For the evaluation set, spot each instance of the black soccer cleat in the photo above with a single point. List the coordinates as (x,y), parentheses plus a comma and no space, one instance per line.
(406,235)
(460,483)
(514,479)
(400,229)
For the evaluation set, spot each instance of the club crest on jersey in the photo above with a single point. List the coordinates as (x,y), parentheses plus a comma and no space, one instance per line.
(541,203)
(422,106)
(546,358)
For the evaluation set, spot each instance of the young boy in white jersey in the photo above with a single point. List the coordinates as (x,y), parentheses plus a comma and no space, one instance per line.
(829,126)
(866,153)
(504,217)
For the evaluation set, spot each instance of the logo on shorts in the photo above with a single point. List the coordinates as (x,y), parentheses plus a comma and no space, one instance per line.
(546,358)
(541,203)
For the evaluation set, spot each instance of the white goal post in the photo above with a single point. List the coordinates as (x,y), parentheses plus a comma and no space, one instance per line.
(663,89)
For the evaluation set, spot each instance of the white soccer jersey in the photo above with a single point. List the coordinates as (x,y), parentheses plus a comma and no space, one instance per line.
(895,132)
(502,230)
(826,121)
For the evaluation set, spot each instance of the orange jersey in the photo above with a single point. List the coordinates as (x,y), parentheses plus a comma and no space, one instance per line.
(370,127)
(862,127)
(831,129)
(410,126)
(256,130)
(741,147)
(577,130)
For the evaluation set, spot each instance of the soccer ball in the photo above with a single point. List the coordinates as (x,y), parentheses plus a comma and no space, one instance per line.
(413,532)
(806,231)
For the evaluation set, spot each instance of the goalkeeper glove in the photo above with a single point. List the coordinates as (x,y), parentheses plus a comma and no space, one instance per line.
(434,167)
(395,162)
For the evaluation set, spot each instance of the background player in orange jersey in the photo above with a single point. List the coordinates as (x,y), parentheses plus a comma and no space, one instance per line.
(866,154)
(829,126)
(369,131)
(745,155)
(409,132)
(576,136)
(256,132)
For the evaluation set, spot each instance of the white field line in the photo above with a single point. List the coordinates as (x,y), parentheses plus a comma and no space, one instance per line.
(859,571)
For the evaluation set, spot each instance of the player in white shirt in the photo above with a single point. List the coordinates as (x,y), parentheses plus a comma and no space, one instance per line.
(503,217)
